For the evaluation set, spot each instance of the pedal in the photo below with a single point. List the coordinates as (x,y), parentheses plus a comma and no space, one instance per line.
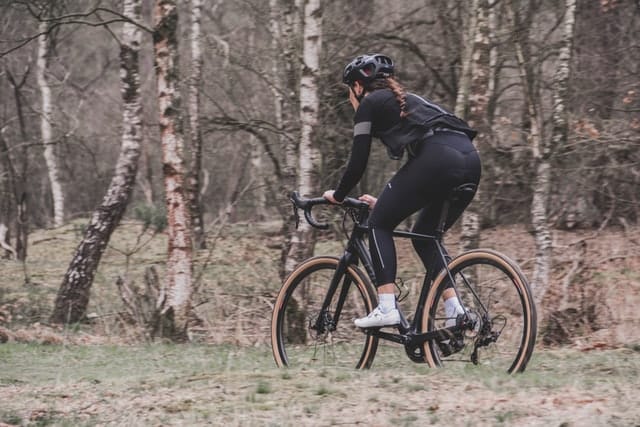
(450,346)
(455,342)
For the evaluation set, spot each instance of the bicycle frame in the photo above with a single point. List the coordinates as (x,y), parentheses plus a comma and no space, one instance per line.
(471,329)
(409,334)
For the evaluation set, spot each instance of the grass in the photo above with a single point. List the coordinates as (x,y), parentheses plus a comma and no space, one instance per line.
(197,384)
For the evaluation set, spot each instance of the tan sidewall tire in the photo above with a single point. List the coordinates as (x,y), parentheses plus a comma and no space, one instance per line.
(512,268)
(358,277)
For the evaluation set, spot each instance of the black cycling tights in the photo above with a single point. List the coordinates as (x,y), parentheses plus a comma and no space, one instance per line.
(444,161)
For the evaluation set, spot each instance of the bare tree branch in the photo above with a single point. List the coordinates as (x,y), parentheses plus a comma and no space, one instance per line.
(73,18)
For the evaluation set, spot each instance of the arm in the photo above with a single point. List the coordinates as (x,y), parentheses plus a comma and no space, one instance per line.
(360,149)
(356,166)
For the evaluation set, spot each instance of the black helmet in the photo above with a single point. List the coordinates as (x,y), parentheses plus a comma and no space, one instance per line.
(367,68)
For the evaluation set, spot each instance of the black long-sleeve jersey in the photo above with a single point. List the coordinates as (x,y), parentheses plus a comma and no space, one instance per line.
(379,116)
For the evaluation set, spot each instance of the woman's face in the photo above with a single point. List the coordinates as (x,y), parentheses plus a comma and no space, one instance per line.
(354,92)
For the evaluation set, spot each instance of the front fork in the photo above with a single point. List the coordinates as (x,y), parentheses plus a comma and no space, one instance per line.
(325,321)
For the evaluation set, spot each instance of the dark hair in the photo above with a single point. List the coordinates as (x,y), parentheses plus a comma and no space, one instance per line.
(395,87)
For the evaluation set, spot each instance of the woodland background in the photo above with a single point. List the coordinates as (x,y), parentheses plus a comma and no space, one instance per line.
(552,86)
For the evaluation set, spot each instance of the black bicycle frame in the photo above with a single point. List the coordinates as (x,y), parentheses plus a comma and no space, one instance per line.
(409,336)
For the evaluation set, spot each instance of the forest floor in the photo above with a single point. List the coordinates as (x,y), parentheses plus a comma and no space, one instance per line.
(106,372)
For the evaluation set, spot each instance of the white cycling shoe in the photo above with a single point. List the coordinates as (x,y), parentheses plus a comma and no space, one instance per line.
(378,319)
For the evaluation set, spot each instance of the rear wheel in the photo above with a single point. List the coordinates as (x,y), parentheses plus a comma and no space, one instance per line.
(499,330)
(303,335)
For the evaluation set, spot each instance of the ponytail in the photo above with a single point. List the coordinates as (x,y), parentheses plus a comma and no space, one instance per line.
(395,87)
(400,93)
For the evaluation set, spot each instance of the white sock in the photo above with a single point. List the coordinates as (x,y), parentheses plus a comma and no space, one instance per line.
(387,302)
(452,307)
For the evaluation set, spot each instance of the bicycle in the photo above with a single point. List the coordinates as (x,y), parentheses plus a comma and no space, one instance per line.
(312,320)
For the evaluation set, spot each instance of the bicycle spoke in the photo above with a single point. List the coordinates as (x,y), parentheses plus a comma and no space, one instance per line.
(304,335)
(500,318)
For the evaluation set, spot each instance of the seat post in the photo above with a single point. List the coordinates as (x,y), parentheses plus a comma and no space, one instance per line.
(462,192)
(443,219)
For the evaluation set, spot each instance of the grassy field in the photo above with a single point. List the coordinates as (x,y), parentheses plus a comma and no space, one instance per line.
(227,385)
(105,371)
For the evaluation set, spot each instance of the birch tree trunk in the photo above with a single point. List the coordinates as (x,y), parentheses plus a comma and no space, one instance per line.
(195,85)
(541,153)
(477,113)
(45,125)
(309,156)
(176,300)
(284,45)
(464,82)
(73,296)
(285,29)
(560,124)
(560,117)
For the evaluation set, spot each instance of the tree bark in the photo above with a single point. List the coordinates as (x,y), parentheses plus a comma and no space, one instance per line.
(9,194)
(176,303)
(20,177)
(302,241)
(466,57)
(477,113)
(284,24)
(195,167)
(73,296)
(542,148)
(284,89)
(542,183)
(46,128)
(255,176)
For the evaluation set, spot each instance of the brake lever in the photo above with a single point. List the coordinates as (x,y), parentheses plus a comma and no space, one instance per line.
(295,214)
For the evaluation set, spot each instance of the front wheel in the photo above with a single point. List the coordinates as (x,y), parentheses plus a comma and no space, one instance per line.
(303,334)
(498,331)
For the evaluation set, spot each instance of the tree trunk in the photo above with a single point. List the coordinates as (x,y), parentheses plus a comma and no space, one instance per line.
(73,296)
(464,82)
(145,173)
(46,126)
(255,176)
(284,26)
(20,177)
(541,185)
(477,114)
(195,168)
(176,303)
(281,54)
(302,241)
(7,192)
(560,125)
(8,197)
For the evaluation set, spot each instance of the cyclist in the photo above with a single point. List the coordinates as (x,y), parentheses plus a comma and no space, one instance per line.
(441,157)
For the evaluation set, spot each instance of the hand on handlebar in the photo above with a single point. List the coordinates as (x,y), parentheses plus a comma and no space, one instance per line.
(368,199)
(361,206)
(329,196)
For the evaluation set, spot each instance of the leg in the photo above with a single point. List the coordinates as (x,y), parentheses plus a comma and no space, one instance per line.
(431,257)
(399,199)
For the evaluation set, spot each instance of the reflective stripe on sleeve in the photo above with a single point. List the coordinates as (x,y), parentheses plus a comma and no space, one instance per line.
(362,128)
